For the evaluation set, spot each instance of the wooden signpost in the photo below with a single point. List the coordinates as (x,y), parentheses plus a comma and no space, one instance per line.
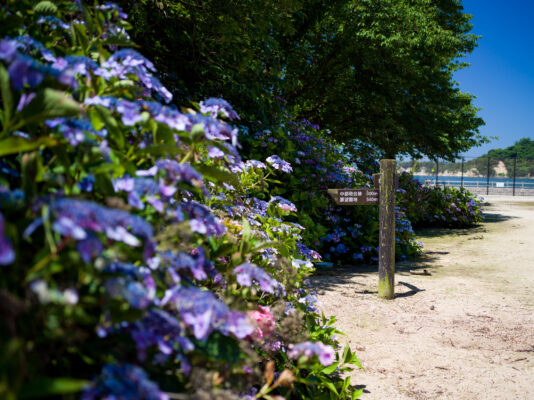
(384,195)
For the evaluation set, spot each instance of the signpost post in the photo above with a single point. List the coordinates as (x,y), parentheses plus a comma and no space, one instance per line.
(383,195)
(386,254)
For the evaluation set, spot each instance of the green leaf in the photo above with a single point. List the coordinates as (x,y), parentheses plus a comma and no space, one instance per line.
(47,104)
(112,126)
(331,368)
(15,144)
(356,394)
(45,7)
(220,348)
(50,387)
(7,96)
(157,150)
(331,386)
(81,35)
(218,175)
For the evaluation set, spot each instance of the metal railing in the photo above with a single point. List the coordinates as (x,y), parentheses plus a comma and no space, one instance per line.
(499,176)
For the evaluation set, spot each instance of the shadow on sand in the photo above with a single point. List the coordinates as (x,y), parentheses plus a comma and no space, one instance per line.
(326,279)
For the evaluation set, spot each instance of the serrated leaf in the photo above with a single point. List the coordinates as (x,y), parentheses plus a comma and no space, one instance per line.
(15,144)
(45,7)
(51,387)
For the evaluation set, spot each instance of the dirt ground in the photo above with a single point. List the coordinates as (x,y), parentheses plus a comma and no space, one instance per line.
(464,332)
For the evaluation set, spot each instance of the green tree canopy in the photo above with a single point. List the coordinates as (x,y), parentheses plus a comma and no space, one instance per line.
(375,71)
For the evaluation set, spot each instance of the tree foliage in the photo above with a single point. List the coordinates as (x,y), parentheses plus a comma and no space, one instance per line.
(376,71)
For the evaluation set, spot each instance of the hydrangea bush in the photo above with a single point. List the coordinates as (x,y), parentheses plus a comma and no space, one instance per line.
(339,233)
(140,256)
(437,206)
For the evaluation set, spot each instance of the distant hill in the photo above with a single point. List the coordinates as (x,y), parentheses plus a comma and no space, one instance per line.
(523,148)
(501,163)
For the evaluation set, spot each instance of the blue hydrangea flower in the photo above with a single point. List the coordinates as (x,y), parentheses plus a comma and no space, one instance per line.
(74,129)
(122,382)
(28,45)
(7,254)
(53,22)
(87,183)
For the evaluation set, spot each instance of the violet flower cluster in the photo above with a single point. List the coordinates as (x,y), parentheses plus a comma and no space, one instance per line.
(215,106)
(204,313)
(280,164)
(248,274)
(325,353)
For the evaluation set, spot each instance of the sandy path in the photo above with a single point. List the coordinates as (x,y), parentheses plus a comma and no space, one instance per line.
(466,332)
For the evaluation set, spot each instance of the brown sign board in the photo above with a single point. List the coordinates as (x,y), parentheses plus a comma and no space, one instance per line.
(348,197)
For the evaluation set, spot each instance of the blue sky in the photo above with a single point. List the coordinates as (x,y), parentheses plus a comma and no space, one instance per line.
(501,74)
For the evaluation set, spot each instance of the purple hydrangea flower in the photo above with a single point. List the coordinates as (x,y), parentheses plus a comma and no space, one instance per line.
(215,106)
(203,313)
(7,254)
(255,164)
(90,247)
(25,71)
(162,330)
(77,65)
(215,152)
(248,274)
(284,204)
(77,218)
(139,189)
(325,353)
(121,382)
(202,220)
(133,292)
(25,99)
(278,163)
(8,50)
(307,252)
(128,62)
(182,261)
